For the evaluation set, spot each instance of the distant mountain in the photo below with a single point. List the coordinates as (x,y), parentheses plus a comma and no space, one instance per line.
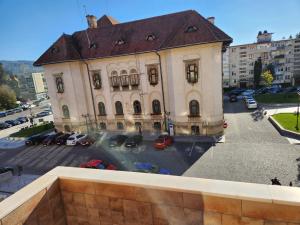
(20,67)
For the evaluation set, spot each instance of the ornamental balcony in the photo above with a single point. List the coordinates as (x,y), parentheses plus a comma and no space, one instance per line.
(67,195)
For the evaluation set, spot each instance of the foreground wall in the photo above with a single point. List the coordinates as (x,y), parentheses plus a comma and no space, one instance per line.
(127,198)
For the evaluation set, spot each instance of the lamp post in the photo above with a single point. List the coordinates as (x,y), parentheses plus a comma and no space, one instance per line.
(86,116)
(297,124)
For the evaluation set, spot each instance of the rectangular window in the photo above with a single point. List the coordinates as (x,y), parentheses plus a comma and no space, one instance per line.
(192,72)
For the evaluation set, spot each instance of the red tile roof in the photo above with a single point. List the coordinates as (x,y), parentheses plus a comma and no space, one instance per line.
(169,31)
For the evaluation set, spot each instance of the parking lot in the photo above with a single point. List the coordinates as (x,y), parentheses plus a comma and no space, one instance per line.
(253,152)
(39,159)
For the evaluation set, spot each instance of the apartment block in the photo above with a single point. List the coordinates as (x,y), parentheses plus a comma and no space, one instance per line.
(283,55)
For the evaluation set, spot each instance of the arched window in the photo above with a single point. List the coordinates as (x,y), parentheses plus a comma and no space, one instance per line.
(134,78)
(192,72)
(137,107)
(101,108)
(119,108)
(153,75)
(120,126)
(102,126)
(194,108)
(156,107)
(115,81)
(67,128)
(124,78)
(96,79)
(66,112)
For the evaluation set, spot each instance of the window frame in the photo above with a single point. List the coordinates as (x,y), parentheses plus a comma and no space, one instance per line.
(153,77)
(194,108)
(119,108)
(194,70)
(96,76)
(137,107)
(101,109)
(65,109)
(156,105)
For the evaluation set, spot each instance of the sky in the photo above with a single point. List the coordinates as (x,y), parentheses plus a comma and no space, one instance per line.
(29,27)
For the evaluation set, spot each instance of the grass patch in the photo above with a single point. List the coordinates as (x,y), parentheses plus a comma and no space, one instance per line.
(27,132)
(287,121)
(277,98)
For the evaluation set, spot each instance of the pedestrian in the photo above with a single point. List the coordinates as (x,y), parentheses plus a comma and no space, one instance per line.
(291,184)
(140,130)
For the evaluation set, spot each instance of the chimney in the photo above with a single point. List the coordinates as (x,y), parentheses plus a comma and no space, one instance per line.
(92,21)
(211,19)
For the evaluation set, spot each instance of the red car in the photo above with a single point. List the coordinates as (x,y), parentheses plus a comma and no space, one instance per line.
(98,164)
(87,141)
(163,141)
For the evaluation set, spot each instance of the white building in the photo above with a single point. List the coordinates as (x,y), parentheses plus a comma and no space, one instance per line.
(147,73)
(241,59)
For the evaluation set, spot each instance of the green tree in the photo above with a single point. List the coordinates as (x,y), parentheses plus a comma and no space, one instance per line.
(257,72)
(7,97)
(268,78)
(271,68)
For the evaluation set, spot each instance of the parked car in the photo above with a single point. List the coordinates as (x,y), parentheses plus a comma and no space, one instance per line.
(233,98)
(248,98)
(87,141)
(4,126)
(73,139)
(98,164)
(163,141)
(62,139)
(36,139)
(3,114)
(51,139)
(252,104)
(290,90)
(117,140)
(10,112)
(42,114)
(13,122)
(248,92)
(17,110)
(25,106)
(150,168)
(236,91)
(133,141)
(23,119)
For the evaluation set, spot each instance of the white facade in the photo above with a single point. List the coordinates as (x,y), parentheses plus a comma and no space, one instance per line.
(178,92)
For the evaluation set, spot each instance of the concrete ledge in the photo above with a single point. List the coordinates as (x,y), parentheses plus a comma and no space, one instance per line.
(84,187)
(282,131)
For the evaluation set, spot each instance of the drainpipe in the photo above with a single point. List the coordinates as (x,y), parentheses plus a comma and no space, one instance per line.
(162,89)
(91,89)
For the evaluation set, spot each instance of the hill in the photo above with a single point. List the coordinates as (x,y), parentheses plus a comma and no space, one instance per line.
(20,67)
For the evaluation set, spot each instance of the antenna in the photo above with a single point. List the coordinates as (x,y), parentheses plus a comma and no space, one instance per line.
(86,33)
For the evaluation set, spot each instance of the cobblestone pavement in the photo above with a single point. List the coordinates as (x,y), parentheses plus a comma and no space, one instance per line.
(39,159)
(253,152)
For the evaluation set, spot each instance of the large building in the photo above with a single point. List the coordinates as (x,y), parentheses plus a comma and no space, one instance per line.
(156,73)
(238,69)
(33,86)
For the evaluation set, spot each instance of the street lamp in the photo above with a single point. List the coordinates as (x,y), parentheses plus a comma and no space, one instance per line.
(297,124)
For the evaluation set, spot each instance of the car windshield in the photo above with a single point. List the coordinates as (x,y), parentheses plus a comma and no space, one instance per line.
(160,140)
(79,136)
(71,138)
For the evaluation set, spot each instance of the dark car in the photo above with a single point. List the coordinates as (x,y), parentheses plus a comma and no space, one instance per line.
(10,112)
(133,141)
(22,119)
(51,139)
(4,126)
(17,110)
(236,91)
(36,139)
(87,141)
(233,98)
(42,114)
(117,140)
(62,139)
(3,114)
(13,122)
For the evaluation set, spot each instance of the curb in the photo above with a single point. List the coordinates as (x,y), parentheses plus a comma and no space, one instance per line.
(282,131)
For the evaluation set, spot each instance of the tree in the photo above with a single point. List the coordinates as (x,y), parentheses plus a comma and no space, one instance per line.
(298,35)
(268,78)
(271,68)
(257,72)
(7,97)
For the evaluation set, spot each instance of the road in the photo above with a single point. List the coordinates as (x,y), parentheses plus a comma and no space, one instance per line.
(39,159)
(253,152)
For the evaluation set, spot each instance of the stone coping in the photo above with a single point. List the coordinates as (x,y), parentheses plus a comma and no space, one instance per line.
(282,130)
(228,189)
